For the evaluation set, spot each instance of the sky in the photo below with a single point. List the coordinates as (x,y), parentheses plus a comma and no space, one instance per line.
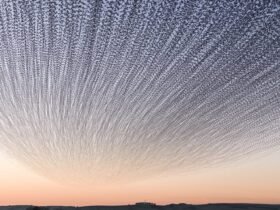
(169,101)
(248,181)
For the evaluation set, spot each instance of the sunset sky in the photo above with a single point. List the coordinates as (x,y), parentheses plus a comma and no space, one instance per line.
(254,181)
(119,101)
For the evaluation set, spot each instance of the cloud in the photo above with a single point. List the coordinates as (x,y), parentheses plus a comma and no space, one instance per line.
(123,89)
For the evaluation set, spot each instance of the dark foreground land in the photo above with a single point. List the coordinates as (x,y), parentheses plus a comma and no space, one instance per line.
(153,207)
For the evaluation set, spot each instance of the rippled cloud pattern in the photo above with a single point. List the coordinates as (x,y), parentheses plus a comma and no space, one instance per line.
(118,89)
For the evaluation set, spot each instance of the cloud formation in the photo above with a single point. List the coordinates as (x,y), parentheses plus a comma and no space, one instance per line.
(121,89)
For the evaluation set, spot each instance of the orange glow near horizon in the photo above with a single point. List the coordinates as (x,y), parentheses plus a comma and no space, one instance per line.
(256,182)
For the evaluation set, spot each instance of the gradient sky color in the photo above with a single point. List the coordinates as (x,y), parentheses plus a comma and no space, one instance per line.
(254,181)
(98,96)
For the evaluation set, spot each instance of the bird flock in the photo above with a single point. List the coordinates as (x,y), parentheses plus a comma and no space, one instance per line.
(119,89)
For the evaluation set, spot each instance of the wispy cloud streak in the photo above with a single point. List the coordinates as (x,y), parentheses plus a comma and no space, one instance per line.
(134,88)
